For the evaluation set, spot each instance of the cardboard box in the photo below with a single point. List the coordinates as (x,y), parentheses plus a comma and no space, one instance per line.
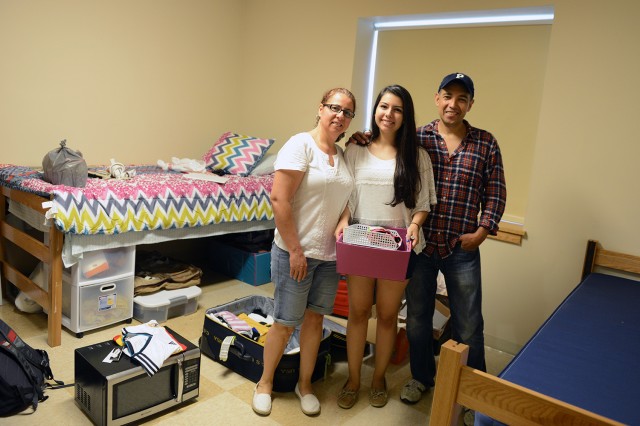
(374,262)
(441,316)
(251,268)
(371,328)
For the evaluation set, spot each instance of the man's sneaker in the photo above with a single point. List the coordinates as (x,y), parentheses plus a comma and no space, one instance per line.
(412,391)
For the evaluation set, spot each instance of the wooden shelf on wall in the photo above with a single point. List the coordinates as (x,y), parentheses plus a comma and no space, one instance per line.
(510,232)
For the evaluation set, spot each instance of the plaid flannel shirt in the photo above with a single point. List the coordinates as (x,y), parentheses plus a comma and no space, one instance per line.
(470,187)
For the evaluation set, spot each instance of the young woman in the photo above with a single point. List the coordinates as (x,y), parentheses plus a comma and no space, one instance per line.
(394,188)
(310,192)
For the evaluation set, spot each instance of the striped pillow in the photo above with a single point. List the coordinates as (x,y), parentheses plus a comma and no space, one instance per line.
(236,154)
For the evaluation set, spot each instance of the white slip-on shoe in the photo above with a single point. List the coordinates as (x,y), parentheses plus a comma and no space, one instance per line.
(261,403)
(309,403)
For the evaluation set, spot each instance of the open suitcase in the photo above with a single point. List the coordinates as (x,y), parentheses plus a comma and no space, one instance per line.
(245,356)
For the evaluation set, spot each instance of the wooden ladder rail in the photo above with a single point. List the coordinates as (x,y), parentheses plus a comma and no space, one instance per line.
(51,299)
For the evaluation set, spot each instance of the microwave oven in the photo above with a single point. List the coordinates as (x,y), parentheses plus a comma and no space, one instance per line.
(121,392)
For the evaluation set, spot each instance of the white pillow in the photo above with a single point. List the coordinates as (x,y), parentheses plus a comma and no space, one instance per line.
(265,166)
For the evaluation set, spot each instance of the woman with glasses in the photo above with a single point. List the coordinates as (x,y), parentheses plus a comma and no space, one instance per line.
(394,187)
(310,192)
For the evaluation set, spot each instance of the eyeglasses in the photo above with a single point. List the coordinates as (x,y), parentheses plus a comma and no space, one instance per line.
(338,109)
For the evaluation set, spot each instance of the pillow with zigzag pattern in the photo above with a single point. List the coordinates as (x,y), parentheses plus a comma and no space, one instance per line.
(236,154)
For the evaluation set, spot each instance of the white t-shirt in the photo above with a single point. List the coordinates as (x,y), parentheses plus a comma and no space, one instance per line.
(369,201)
(320,198)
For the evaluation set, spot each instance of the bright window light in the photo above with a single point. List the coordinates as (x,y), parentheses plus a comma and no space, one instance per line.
(519,16)
(509,16)
(370,80)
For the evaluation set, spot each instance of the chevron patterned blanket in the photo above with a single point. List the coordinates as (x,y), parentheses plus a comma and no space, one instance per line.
(152,200)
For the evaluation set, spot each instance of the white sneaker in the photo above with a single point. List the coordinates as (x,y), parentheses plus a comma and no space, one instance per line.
(412,391)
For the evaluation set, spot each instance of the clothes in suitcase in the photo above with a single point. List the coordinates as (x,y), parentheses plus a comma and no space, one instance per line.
(240,353)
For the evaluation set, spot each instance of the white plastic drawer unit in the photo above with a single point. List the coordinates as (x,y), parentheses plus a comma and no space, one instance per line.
(91,306)
(101,265)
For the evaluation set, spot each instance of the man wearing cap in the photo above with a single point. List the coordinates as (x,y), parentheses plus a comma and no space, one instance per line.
(471,193)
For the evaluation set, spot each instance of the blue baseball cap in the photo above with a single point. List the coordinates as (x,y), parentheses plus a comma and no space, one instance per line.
(461,78)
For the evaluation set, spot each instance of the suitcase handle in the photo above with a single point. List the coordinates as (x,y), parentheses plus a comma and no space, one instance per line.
(231,345)
(237,349)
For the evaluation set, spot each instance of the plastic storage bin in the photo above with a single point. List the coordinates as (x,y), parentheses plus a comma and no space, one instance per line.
(166,304)
(374,262)
(95,305)
(248,267)
(101,265)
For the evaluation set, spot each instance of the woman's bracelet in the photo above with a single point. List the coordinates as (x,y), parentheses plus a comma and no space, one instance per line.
(413,223)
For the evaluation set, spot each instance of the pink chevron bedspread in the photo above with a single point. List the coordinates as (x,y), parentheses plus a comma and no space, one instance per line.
(151,200)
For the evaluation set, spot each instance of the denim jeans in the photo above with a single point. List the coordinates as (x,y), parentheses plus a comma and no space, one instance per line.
(462,276)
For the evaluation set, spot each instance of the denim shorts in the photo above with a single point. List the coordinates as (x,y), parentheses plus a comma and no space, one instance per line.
(317,291)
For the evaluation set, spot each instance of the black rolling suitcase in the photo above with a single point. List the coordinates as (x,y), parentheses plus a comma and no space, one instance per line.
(245,356)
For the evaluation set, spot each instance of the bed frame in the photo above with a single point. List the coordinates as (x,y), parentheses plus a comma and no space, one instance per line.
(49,253)
(458,385)
(47,244)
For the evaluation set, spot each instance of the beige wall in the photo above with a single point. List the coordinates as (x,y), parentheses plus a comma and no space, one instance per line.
(260,67)
(135,80)
(583,175)
(507,64)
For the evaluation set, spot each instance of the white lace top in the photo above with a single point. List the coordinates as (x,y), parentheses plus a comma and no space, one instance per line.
(369,201)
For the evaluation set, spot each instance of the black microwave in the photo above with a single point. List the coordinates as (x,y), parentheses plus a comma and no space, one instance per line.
(121,392)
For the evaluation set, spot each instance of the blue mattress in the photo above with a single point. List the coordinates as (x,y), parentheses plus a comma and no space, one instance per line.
(588,352)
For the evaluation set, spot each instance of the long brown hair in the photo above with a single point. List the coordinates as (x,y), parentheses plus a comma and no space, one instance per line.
(406,181)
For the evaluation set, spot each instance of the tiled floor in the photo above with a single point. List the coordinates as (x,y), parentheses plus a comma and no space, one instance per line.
(225,397)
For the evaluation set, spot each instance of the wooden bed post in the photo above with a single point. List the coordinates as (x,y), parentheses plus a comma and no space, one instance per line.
(54,336)
(444,409)
(589,258)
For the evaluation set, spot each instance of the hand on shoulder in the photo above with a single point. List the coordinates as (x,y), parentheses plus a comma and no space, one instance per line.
(360,138)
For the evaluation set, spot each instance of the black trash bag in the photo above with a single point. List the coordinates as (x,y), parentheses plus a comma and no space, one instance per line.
(64,166)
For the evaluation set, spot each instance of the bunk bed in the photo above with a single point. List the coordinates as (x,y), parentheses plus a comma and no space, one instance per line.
(154,205)
(579,368)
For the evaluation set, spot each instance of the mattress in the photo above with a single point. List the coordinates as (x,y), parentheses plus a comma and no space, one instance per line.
(588,352)
(153,206)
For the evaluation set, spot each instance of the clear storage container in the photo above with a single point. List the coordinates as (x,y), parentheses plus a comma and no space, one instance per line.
(91,306)
(101,265)
(166,304)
